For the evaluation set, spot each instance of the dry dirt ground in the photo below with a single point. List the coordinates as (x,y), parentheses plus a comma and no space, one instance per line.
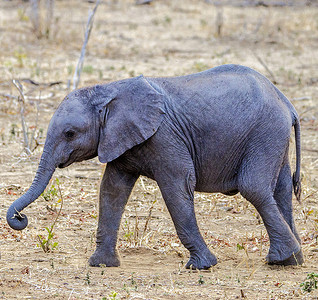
(166,38)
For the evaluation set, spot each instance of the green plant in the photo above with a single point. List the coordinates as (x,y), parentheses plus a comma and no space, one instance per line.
(112,296)
(70,70)
(88,69)
(50,193)
(240,247)
(20,56)
(310,283)
(126,289)
(103,266)
(36,69)
(22,16)
(13,130)
(201,281)
(52,263)
(133,281)
(46,243)
(203,23)
(200,66)
(167,20)
(87,279)
(128,235)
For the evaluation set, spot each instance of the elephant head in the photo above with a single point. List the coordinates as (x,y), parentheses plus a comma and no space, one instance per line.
(104,120)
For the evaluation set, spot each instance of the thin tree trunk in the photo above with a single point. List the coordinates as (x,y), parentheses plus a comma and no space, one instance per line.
(35,17)
(49,18)
(89,26)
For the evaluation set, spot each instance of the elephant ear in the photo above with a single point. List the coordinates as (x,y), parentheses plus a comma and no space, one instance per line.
(132,116)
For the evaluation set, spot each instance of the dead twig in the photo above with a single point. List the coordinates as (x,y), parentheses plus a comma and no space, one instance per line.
(89,26)
(310,195)
(266,68)
(136,233)
(219,22)
(21,100)
(35,127)
(147,222)
(28,143)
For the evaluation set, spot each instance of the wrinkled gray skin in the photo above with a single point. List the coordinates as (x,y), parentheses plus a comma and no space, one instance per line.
(222,130)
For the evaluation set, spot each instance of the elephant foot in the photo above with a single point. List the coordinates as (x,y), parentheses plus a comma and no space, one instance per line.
(294,260)
(201,261)
(99,259)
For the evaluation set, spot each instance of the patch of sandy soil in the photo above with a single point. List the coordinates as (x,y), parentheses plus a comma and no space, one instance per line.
(166,38)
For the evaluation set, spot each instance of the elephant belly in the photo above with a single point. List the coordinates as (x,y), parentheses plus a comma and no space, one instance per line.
(231,193)
(219,174)
(227,188)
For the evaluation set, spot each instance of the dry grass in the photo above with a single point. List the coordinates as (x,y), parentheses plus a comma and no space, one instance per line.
(163,39)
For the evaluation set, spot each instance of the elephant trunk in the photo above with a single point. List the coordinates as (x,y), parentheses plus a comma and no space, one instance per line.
(19,221)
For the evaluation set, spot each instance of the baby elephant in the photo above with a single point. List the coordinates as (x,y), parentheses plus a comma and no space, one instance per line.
(223,130)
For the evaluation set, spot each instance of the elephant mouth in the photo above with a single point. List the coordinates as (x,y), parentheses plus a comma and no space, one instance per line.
(63,165)
(75,158)
(68,162)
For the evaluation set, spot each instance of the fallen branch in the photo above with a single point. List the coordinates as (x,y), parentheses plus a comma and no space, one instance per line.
(89,26)
(8,96)
(48,96)
(143,2)
(310,150)
(301,98)
(30,81)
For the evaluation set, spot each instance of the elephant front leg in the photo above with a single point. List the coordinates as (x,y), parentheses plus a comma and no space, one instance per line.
(115,189)
(178,195)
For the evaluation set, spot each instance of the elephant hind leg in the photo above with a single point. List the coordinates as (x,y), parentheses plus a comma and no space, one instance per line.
(255,184)
(283,196)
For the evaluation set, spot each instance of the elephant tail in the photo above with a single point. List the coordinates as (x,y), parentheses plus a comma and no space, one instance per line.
(296,125)
(296,175)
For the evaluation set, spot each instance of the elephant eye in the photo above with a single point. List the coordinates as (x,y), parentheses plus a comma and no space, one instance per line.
(69,134)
